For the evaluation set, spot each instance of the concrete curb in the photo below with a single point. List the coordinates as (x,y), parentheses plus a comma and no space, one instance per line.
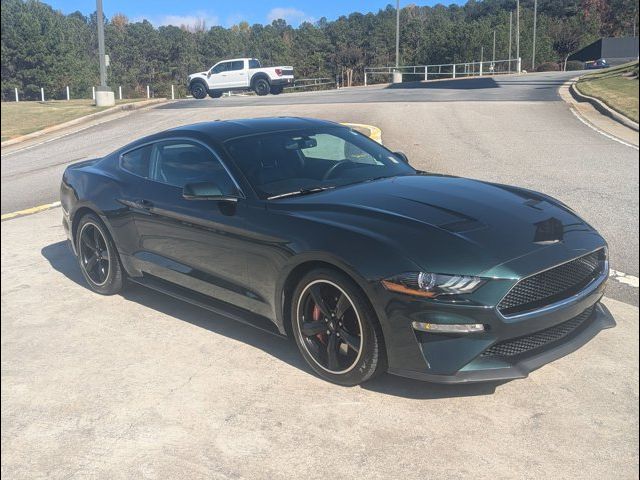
(602,107)
(87,118)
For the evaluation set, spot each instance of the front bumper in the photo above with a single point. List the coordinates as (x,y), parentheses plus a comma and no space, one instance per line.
(461,358)
(491,370)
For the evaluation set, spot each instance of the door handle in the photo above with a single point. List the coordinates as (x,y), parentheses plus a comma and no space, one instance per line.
(143,204)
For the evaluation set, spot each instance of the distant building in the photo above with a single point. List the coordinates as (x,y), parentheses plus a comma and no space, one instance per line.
(614,50)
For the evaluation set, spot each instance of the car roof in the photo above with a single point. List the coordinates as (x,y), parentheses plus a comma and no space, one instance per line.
(235,59)
(223,130)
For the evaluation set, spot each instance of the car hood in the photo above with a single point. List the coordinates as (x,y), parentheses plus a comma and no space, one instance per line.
(452,225)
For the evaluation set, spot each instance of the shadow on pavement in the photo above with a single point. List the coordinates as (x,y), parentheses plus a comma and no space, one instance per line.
(458,84)
(474,83)
(62,260)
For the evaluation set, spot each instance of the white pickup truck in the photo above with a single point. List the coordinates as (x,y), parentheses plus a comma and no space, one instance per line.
(239,74)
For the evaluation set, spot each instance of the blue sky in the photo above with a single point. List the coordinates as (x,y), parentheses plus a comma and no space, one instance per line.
(230,12)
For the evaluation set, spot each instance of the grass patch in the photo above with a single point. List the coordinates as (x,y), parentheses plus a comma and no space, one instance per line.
(617,87)
(20,118)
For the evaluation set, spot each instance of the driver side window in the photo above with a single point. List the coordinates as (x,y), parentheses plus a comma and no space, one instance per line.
(221,67)
(179,162)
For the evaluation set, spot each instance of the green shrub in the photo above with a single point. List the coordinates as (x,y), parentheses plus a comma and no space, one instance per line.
(548,67)
(575,65)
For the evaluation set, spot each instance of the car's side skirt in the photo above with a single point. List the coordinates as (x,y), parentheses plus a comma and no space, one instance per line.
(203,301)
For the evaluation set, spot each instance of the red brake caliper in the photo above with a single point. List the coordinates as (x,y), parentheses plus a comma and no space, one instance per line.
(317,316)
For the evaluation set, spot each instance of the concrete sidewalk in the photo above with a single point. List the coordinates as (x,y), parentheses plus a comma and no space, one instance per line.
(143,386)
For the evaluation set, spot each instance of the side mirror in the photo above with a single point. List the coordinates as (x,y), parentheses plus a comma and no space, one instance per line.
(402,156)
(206,191)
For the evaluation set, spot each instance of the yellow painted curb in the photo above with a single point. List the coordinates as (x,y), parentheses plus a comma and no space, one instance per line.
(29,211)
(374,132)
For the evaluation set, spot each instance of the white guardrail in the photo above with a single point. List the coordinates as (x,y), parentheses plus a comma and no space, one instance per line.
(446,70)
(310,82)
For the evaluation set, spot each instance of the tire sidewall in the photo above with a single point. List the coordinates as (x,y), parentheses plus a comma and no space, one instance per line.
(198,90)
(114,281)
(370,358)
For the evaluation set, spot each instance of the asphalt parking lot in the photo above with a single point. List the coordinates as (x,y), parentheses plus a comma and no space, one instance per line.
(143,386)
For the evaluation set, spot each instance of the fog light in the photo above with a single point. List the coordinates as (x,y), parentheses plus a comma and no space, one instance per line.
(451,328)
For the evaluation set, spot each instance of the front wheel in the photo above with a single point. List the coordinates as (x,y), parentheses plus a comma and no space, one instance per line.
(336,329)
(198,90)
(261,87)
(98,258)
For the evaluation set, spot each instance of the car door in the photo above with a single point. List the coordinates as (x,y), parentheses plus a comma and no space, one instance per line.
(219,76)
(197,244)
(237,75)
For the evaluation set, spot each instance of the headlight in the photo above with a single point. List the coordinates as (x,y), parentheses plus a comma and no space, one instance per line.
(431,285)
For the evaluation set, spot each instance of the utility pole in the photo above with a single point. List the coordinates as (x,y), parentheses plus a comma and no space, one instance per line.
(397,33)
(518,33)
(104,96)
(510,28)
(493,58)
(535,24)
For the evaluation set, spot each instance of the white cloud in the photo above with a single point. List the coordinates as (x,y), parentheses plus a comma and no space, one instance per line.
(291,15)
(189,20)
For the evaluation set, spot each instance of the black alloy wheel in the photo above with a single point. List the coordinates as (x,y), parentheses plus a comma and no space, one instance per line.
(94,255)
(198,90)
(97,256)
(336,329)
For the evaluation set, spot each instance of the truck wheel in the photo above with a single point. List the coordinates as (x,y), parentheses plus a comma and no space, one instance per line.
(198,90)
(214,94)
(276,89)
(261,87)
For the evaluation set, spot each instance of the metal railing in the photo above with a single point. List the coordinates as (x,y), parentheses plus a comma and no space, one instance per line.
(311,82)
(446,70)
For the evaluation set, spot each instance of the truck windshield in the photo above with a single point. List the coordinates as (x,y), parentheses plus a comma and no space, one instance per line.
(279,163)
(253,63)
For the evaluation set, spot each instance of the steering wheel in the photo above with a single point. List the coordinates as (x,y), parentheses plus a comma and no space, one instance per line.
(336,167)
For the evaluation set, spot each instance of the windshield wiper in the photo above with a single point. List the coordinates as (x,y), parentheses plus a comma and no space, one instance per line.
(302,191)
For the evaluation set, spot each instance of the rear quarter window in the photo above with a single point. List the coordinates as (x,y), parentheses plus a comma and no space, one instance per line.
(137,161)
(253,63)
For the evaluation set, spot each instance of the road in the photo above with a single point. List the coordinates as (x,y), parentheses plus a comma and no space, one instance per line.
(513,129)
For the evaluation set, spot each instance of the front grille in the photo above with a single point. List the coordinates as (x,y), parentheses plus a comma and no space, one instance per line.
(519,346)
(553,285)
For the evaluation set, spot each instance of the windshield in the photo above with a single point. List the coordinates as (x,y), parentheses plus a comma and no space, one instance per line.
(305,161)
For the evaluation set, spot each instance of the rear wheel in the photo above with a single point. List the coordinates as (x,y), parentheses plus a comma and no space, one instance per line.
(198,90)
(276,89)
(214,94)
(261,87)
(98,257)
(336,329)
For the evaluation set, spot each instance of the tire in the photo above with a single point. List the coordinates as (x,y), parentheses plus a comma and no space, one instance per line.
(261,87)
(276,89)
(351,331)
(198,90)
(214,94)
(105,278)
